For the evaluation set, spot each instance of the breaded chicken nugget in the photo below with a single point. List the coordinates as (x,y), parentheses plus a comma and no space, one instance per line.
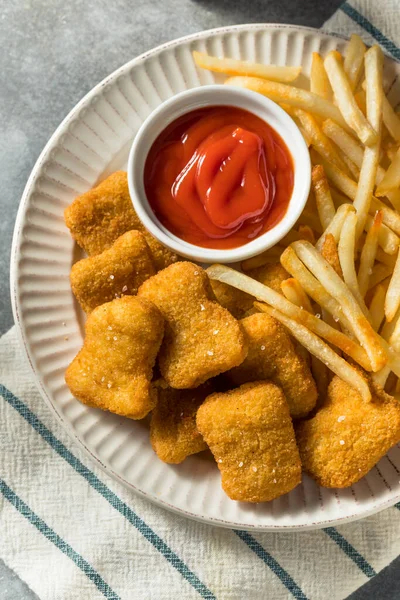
(234,300)
(271,275)
(98,217)
(202,339)
(348,436)
(114,368)
(272,355)
(250,433)
(173,431)
(116,272)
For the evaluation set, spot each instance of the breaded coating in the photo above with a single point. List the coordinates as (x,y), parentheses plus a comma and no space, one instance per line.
(118,271)
(348,436)
(234,300)
(173,431)
(271,275)
(250,433)
(272,355)
(202,339)
(101,215)
(113,370)
(330,253)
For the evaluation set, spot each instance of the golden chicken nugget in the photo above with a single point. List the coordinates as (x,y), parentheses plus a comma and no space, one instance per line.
(173,431)
(348,436)
(118,271)
(272,355)
(250,433)
(271,275)
(101,215)
(202,339)
(113,370)
(234,300)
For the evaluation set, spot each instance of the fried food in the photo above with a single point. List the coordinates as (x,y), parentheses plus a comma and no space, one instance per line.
(329,251)
(101,215)
(113,370)
(250,433)
(116,272)
(173,431)
(202,339)
(236,301)
(348,436)
(271,275)
(272,356)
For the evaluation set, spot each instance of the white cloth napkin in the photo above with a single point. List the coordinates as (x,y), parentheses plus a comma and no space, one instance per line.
(71,532)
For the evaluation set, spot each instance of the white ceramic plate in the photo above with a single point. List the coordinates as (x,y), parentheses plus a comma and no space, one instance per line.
(92,142)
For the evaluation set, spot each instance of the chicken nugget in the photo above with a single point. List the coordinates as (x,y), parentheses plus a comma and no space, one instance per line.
(202,339)
(113,370)
(272,355)
(101,215)
(173,431)
(271,275)
(116,272)
(348,436)
(234,300)
(250,433)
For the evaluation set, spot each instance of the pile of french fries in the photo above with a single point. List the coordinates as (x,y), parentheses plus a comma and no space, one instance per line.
(342,301)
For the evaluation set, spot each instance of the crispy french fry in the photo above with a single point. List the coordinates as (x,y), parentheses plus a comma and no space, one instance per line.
(322,351)
(345,99)
(391,119)
(330,253)
(379,274)
(338,198)
(230,66)
(392,300)
(351,167)
(374,90)
(388,240)
(368,254)
(377,306)
(346,250)
(335,226)
(266,294)
(354,59)
(391,179)
(326,208)
(272,255)
(279,92)
(293,292)
(319,82)
(386,259)
(341,293)
(318,139)
(361,100)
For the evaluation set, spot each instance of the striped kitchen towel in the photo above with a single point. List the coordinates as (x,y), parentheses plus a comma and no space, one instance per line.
(71,532)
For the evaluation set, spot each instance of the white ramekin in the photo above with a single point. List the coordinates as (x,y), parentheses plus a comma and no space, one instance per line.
(219,95)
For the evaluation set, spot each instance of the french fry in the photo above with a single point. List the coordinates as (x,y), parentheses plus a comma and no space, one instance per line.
(293,292)
(377,306)
(368,254)
(386,259)
(326,208)
(335,226)
(320,375)
(341,293)
(318,139)
(354,59)
(379,274)
(329,251)
(351,167)
(266,294)
(280,92)
(322,351)
(388,240)
(230,66)
(391,180)
(346,250)
(391,119)
(345,99)
(306,233)
(319,82)
(361,100)
(374,90)
(272,255)
(310,219)
(392,300)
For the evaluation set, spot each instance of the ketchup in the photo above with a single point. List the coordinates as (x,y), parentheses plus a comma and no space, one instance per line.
(219,177)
